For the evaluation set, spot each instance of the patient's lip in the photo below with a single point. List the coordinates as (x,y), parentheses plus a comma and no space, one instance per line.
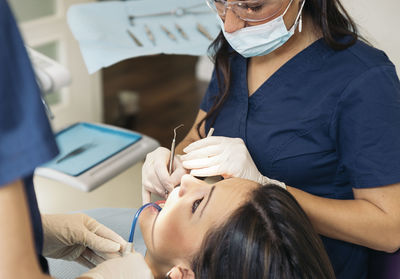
(161,203)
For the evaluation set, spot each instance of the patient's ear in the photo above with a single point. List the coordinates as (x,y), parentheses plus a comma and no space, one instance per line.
(179,272)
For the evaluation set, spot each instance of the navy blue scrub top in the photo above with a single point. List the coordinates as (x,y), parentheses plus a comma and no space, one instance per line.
(326,122)
(26,139)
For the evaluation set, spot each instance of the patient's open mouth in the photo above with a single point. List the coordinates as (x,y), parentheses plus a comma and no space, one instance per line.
(160,203)
(149,206)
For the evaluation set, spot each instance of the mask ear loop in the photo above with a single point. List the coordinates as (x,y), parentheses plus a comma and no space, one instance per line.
(287,8)
(299,18)
(301,23)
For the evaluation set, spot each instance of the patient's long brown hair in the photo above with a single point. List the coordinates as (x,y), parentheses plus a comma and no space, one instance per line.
(329,16)
(269,237)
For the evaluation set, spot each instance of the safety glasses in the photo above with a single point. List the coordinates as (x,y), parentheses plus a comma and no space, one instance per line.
(248,10)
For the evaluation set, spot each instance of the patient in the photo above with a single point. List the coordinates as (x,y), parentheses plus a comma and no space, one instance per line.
(232,229)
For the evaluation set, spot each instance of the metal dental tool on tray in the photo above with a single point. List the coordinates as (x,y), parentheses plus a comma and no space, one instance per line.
(180,11)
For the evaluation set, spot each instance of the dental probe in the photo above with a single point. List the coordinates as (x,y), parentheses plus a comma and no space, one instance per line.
(171,158)
(47,107)
(209,134)
(150,35)
(169,34)
(132,233)
(178,12)
(180,30)
(133,37)
(204,31)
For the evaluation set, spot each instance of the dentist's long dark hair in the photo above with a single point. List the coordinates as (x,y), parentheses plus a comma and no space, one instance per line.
(269,237)
(329,16)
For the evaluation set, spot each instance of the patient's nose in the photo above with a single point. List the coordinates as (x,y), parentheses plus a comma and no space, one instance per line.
(189,183)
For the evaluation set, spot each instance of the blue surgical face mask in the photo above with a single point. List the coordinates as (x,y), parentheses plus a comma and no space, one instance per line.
(262,39)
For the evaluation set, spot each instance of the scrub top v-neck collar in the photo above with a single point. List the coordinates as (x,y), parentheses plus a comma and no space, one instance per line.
(311,56)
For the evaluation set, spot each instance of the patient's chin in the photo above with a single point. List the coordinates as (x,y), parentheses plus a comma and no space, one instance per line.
(148,215)
(146,222)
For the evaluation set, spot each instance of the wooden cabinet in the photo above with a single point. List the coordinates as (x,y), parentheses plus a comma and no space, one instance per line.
(169,94)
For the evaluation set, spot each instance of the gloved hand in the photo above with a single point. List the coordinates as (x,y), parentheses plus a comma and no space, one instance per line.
(155,176)
(130,266)
(178,272)
(223,156)
(78,237)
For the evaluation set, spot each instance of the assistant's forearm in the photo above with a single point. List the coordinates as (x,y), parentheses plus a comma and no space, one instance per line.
(356,221)
(17,252)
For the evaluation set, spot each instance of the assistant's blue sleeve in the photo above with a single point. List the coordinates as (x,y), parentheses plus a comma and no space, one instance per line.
(211,93)
(368,127)
(26,138)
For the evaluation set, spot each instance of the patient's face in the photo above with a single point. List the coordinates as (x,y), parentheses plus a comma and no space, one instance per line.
(177,231)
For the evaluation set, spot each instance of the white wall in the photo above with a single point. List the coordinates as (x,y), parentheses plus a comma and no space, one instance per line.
(29,10)
(379,22)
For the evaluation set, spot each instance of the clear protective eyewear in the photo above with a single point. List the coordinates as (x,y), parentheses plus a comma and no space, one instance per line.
(247,10)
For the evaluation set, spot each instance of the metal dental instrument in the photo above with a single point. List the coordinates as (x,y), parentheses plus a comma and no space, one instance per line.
(169,34)
(209,134)
(204,31)
(136,40)
(75,152)
(171,158)
(47,107)
(179,11)
(180,30)
(150,34)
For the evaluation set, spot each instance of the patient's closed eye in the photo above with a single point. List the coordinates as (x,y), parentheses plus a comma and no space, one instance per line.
(196,204)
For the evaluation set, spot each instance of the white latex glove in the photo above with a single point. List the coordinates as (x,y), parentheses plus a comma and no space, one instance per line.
(223,156)
(178,272)
(130,266)
(78,237)
(155,176)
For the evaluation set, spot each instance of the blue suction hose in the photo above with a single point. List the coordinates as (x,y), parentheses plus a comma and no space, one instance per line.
(137,217)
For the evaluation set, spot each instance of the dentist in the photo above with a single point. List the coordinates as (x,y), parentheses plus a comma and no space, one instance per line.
(26,141)
(298,96)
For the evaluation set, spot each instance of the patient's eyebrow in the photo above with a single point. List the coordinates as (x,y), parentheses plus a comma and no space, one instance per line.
(208,199)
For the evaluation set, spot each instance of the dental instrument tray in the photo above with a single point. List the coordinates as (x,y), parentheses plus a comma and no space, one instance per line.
(91,154)
(112,31)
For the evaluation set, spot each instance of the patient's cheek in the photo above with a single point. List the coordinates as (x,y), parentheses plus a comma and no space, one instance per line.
(176,241)
(146,221)
(168,235)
